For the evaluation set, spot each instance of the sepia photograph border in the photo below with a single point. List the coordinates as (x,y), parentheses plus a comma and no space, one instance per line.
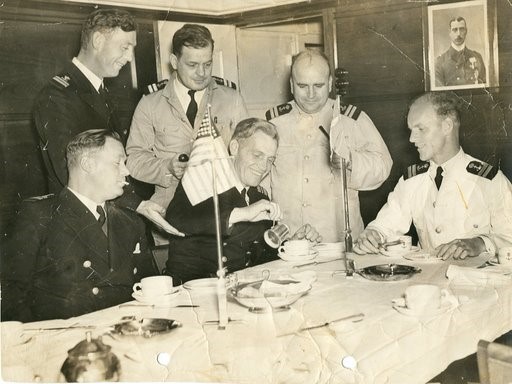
(480,16)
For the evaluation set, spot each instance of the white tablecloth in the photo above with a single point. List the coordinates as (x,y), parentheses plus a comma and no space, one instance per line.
(387,346)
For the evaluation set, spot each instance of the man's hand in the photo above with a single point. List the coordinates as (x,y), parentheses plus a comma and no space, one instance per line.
(261,210)
(307,232)
(155,213)
(460,249)
(368,242)
(176,167)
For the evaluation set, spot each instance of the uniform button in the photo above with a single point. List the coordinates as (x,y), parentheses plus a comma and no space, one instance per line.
(434,204)
(306,157)
(306,180)
(95,290)
(475,225)
(134,271)
(458,78)
(87,264)
(309,136)
(438,230)
(248,252)
(224,244)
(224,259)
(304,204)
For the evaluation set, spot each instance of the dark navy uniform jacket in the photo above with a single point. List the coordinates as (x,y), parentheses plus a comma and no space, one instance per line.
(460,68)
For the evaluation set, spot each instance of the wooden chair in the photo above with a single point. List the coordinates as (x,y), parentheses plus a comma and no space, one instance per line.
(494,363)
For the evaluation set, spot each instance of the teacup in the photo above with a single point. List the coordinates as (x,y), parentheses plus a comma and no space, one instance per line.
(12,332)
(423,298)
(276,235)
(154,286)
(505,255)
(405,244)
(295,249)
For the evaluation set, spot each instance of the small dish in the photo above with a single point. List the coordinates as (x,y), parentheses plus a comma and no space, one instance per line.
(399,253)
(261,295)
(146,327)
(311,255)
(155,300)
(424,257)
(446,305)
(207,283)
(388,272)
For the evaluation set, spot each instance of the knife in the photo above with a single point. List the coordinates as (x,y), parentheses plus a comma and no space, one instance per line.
(356,317)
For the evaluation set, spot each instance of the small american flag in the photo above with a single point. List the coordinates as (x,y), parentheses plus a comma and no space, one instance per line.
(208,148)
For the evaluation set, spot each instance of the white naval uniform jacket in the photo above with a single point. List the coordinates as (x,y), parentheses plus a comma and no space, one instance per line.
(474,200)
(303,182)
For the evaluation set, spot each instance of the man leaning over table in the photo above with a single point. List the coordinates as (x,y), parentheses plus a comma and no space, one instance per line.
(76,99)
(165,123)
(76,252)
(304,181)
(245,212)
(459,205)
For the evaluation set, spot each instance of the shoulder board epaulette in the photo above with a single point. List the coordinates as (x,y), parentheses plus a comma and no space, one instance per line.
(262,190)
(61,81)
(279,110)
(224,82)
(482,169)
(416,169)
(39,198)
(155,86)
(350,110)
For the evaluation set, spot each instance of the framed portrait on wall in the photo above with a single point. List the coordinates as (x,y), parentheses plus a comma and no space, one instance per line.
(461,45)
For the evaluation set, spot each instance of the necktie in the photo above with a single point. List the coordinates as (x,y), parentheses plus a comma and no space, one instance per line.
(245,196)
(102,219)
(192,108)
(439,177)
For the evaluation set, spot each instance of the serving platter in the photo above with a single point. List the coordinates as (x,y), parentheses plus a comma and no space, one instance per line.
(388,272)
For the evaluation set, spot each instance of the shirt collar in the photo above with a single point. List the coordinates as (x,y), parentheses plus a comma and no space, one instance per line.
(449,164)
(93,79)
(459,48)
(183,96)
(91,205)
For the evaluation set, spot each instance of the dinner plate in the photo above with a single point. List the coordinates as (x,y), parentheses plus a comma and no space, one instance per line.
(208,283)
(446,305)
(388,272)
(423,256)
(156,300)
(496,263)
(399,253)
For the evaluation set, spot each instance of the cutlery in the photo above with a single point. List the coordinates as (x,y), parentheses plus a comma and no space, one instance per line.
(315,263)
(158,306)
(390,243)
(357,317)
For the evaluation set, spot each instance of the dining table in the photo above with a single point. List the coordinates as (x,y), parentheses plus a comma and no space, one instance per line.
(343,329)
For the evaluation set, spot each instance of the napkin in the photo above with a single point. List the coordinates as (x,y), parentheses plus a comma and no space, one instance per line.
(489,276)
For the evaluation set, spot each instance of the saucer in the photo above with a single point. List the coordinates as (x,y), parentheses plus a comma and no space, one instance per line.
(423,256)
(166,298)
(399,253)
(207,283)
(446,305)
(311,255)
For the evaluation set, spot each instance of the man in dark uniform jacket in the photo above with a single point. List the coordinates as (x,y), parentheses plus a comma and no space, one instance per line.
(245,212)
(76,252)
(459,65)
(76,100)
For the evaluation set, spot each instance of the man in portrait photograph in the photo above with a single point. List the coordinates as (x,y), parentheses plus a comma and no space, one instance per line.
(459,65)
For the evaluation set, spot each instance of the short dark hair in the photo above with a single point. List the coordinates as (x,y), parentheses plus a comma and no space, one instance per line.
(105,21)
(248,127)
(458,18)
(446,104)
(88,142)
(191,35)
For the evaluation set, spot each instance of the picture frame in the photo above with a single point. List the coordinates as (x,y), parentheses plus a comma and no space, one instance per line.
(461,51)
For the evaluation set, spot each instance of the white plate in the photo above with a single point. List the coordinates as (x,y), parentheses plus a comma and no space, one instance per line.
(208,283)
(399,253)
(423,256)
(311,255)
(446,305)
(496,263)
(156,300)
